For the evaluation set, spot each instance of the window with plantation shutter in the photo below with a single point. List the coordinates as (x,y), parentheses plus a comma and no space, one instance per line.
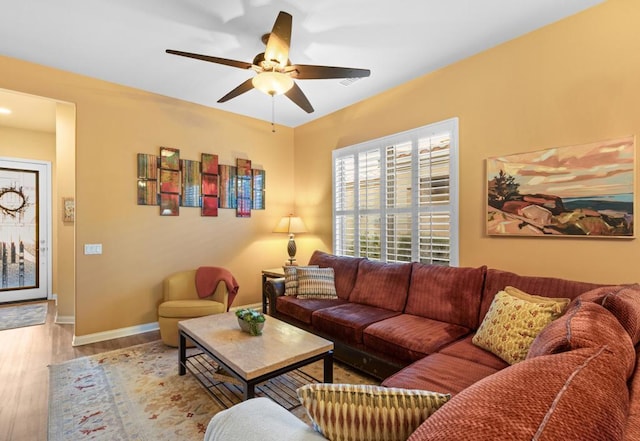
(395,198)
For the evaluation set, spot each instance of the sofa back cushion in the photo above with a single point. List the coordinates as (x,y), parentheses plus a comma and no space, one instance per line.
(497,280)
(345,269)
(383,285)
(447,294)
(623,301)
(585,325)
(576,395)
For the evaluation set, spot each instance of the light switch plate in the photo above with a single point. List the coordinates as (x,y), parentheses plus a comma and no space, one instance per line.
(92,248)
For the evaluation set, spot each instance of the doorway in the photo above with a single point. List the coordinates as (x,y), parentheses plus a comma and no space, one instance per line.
(25,189)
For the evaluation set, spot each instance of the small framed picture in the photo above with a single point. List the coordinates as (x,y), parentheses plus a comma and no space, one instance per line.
(68,209)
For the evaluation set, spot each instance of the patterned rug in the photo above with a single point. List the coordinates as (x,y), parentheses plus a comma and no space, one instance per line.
(22,315)
(137,394)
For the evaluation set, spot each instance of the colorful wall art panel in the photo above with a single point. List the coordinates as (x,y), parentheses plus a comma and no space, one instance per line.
(170,182)
(244,188)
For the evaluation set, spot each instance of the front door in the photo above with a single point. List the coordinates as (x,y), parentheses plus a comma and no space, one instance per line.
(24,230)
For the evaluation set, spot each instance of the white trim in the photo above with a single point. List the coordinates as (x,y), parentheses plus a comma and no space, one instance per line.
(257,306)
(62,319)
(65,320)
(126,332)
(115,333)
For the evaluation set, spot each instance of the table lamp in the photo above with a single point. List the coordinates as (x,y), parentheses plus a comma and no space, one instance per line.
(291,225)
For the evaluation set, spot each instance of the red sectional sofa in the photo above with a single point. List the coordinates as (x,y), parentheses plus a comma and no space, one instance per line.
(389,315)
(411,325)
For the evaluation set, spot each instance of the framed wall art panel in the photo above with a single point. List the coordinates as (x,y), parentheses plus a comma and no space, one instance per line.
(579,191)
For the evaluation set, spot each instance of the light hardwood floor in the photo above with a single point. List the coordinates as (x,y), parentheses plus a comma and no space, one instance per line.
(25,354)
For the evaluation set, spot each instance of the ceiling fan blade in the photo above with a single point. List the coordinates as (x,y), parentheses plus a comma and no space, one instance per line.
(225,61)
(296,95)
(280,40)
(311,72)
(244,87)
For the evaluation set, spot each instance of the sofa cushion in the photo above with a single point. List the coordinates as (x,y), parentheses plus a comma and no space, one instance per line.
(623,301)
(632,430)
(585,325)
(344,267)
(576,395)
(291,279)
(466,350)
(383,285)
(448,294)
(316,283)
(346,322)
(513,321)
(409,337)
(439,373)
(301,309)
(497,280)
(360,412)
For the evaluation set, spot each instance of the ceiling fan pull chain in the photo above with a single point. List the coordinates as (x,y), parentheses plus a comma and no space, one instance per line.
(273,113)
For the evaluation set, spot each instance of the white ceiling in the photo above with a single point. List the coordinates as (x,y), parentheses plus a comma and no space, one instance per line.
(124,41)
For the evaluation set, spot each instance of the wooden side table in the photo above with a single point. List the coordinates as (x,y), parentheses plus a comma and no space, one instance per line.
(273,273)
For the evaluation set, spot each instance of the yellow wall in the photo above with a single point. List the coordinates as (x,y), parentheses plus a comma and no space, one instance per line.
(122,287)
(573,82)
(65,187)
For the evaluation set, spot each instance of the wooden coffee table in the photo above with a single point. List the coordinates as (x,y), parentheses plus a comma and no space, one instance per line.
(253,360)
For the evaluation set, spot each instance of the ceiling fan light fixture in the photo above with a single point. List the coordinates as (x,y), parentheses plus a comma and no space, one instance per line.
(272,83)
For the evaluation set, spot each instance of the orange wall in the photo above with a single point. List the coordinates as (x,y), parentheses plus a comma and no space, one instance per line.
(122,287)
(573,82)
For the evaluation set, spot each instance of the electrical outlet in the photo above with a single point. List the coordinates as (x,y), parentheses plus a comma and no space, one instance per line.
(92,248)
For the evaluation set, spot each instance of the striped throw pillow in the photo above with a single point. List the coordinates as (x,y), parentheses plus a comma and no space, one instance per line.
(291,278)
(316,283)
(364,412)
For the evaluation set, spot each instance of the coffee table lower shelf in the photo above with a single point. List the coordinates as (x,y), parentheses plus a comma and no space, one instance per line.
(227,390)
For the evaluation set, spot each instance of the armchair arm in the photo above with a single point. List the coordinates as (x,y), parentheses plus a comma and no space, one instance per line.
(221,295)
(274,288)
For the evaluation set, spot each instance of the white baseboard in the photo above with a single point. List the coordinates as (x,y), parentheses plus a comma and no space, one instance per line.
(65,319)
(125,332)
(115,333)
(257,306)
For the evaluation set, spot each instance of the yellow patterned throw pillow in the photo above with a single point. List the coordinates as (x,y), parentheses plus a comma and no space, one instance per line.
(514,320)
(361,412)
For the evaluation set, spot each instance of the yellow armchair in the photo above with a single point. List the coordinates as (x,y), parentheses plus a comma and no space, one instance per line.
(181,301)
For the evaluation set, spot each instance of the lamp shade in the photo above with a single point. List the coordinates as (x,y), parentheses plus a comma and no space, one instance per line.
(290,225)
(272,83)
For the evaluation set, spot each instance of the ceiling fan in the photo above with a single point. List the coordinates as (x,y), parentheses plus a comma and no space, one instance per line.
(274,71)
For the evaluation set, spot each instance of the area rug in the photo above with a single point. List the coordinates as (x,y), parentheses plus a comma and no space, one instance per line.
(137,394)
(23,315)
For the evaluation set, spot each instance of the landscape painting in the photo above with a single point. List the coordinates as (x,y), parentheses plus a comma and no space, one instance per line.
(585,190)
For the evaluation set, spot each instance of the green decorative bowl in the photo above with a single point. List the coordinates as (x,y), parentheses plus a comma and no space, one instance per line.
(254,328)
